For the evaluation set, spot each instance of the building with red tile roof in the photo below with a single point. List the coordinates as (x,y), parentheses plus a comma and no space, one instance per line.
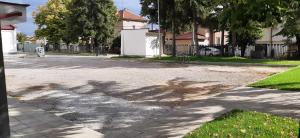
(130,21)
(127,15)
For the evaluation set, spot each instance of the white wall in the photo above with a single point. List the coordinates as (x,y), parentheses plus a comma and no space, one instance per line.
(133,42)
(276,39)
(152,48)
(206,41)
(9,41)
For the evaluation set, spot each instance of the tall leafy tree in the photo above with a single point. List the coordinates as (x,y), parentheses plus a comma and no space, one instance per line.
(291,26)
(170,16)
(195,12)
(248,17)
(93,20)
(21,37)
(50,19)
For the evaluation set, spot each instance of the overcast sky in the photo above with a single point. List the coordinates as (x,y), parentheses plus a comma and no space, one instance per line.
(29,27)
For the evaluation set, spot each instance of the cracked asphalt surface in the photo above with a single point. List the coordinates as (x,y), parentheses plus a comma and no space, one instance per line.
(111,95)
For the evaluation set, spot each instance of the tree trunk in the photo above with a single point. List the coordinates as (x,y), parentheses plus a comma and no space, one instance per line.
(96,46)
(4,118)
(68,47)
(195,35)
(173,29)
(222,42)
(298,44)
(163,41)
(211,36)
(243,50)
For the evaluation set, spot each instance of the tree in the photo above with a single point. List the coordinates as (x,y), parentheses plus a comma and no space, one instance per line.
(51,22)
(93,20)
(195,12)
(171,17)
(21,37)
(291,26)
(247,17)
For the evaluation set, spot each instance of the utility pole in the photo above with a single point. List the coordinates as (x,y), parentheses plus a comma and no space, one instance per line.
(159,30)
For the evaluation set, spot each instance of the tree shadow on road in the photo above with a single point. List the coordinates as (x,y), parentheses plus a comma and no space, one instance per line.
(189,104)
(181,121)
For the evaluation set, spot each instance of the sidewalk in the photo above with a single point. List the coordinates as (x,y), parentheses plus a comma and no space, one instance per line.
(178,123)
(30,122)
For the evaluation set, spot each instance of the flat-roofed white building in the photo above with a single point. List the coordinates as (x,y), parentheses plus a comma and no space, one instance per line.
(9,39)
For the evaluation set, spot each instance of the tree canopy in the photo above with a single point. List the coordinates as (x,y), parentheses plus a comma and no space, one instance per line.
(21,37)
(69,20)
(50,19)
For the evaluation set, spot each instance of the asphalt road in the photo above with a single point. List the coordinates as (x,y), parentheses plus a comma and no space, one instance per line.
(110,95)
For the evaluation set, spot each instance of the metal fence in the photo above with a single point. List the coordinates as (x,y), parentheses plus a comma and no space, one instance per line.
(27,47)
(278,51)
(196,50)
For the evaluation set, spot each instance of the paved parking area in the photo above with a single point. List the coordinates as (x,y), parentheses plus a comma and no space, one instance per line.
(29,122)
(112,96)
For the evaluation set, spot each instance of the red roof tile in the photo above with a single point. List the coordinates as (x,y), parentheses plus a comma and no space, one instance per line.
(8,27)
(128,15)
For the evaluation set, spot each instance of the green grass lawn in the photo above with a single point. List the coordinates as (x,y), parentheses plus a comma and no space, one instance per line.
(244,124)
(235,60)
(289,80)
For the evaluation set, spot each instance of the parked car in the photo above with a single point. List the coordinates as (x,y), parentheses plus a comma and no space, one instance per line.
(210,51)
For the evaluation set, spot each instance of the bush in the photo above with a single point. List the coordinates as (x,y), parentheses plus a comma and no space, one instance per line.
(116,45)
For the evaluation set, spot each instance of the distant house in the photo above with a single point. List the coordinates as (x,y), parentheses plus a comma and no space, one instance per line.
(9,39)
(185,39)
(270,37)
(274,45)
(130,21)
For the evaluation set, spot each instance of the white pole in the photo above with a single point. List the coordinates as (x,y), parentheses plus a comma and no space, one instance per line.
(159,35)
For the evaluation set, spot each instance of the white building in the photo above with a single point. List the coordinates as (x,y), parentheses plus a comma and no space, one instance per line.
(129,20)
(9,39)
(270,36)
(139,42)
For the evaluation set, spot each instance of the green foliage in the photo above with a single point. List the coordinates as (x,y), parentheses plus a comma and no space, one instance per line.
(117,42)
(92,20)
(246,19)
(150,10)
(289,80)
(244,124)
(50,19)
(116,45)
(21,37)
(291,27)
(67,20)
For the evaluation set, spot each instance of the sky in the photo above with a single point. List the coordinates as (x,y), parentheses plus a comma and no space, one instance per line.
(29,27)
